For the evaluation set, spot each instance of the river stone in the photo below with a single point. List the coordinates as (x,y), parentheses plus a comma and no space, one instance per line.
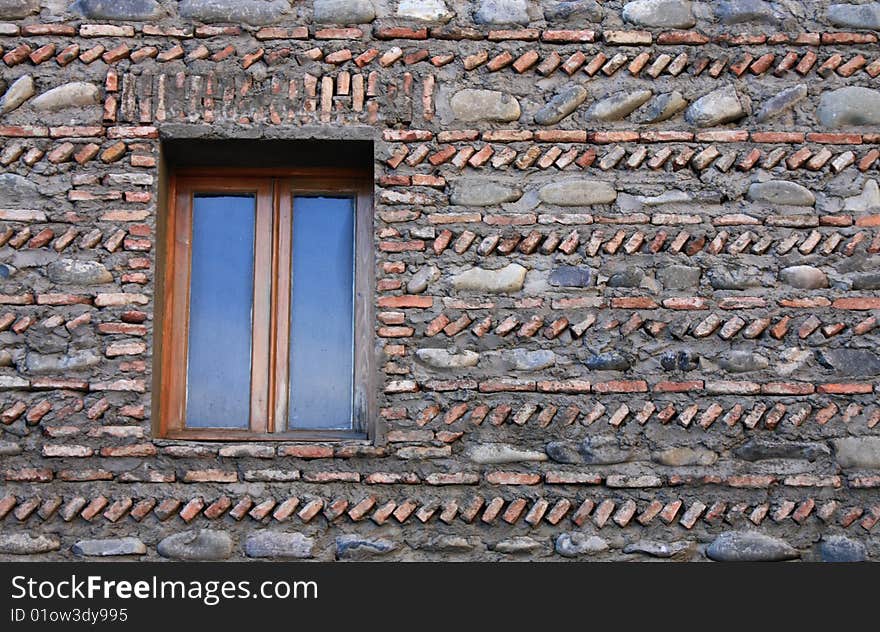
(868,199)
(603,450)
(496,453)
(839,548)
(502,12)
(9,448)
(522,360)
(619,105)
(749,546)
(576,544)
(254,12)
(482,192)
(577,192)
(428,10)
(719,106)
(109,547)
(448,544)
(611,361)
(781,102)
(418,283)
(677,277)
(657,549)
(570,276)
(629,276)
(869,281)
(803,277)
(473,104)
(857,452)
(770,449)
(853,105)
(138,10)
(196,545)
(26,544)
(510,278)
(684,456)
(20,91)
(733,278)
(518,545)
(683,360)
(743,362)
(742,11)
(575,10)
(17,9)
(76,94)
(663,107)
(17,191)
(278,544)
(60,363)
(781,192)
(354,547)
(668,14)
(563,452)
(73,272)
(852,16)
(561,105)
(12,382)
(442,359)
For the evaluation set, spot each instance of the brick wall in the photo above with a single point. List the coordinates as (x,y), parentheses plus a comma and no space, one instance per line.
(626,271)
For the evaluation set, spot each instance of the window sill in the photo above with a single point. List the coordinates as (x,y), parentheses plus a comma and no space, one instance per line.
(212,434)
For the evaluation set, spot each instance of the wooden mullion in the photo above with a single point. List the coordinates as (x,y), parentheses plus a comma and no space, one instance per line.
(262,308)
(281,306)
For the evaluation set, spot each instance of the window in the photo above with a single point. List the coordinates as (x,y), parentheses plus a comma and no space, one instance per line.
(266,330)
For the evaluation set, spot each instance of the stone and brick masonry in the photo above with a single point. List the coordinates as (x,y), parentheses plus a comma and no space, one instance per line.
(626,268)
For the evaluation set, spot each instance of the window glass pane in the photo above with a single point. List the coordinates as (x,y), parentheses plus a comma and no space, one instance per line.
(220,311)
(321,343)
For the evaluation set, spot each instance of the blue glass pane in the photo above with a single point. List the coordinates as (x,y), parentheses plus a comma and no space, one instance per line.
(322,304)
(220,305)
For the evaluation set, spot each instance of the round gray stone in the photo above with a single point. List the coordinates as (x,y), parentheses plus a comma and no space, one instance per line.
(508,279)
(576,544)
(745,11)
(781,192)
(502,12)
(742,362)
(770,449)
(855,16)
(750,546)
(561,105)
(77,94)
(719,106)
(578,11)
(678,277)
(519,545)
(850,362)
(473,104)
(418,283)
(74,272)
(669,14)
(857,452)
(136,10)
(610,361)
(852,105)
(604,450)
(663,107)
(20,91)
(443,359)
(498,453)
(619,105)
(344,11)
(279,545)
(427,10)
(27,544)
(254,12)
(577,192)
(197,545)
(522,360)
(781,102)
(17,9)
(657,549)
(629,276)
(17,191)
(109,547)
(75,360)
(804,277)
(571,276)
(482,192)
(355,547)
(839,548)
(684,456)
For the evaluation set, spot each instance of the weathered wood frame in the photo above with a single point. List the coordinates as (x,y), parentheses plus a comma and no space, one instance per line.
(274,190)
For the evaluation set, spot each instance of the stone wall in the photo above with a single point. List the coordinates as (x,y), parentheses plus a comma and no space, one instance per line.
(625,268)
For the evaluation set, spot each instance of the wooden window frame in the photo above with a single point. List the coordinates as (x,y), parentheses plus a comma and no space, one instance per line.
(274,190)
